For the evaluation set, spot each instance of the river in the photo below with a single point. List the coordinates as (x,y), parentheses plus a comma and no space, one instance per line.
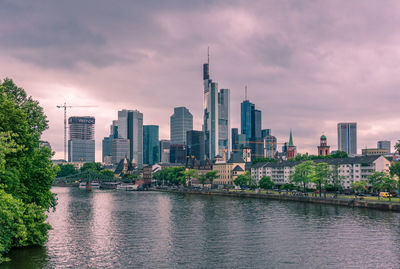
(116,229)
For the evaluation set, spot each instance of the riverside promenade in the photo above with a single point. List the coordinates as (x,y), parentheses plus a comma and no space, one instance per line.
(283,196)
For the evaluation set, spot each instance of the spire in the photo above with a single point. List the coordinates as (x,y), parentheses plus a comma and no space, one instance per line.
(208,55)
(245,92)
(291,139)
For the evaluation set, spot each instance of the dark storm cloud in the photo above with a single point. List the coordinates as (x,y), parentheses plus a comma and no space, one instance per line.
(307,64)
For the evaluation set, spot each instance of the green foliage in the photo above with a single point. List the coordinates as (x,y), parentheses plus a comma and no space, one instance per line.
(243,180)
(107,173)
(188,174)
(266,183)
(26,171)
(359,186)
(202,179)
(91,166)
(397,146)
(264,160)
(321,175)
(170,176)
(395,169)
(211,176)
(305,157)
(288,186)
(303,174)
(381,181)
(336,182)
(66,170)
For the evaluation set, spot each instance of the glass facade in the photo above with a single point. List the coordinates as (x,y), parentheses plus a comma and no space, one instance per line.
(150,144)
(347,137)
(196,145)
(180,122)
(81,144)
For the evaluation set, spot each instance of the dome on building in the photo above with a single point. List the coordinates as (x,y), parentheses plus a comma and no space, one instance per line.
(323,137)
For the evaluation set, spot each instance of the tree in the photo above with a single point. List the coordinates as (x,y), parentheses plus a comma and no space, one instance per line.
(376,181)
(107,173)
(243,179)
(339,154)
(189,173)
(66,170)
(303,174)
(26,170)
(266,183)
(211,176)
(321,175)
(359,186)
(202,179)
(395,170)
(397,146)
(91,166)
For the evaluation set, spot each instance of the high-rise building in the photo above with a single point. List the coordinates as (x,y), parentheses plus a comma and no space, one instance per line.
(150,144)
(180,122)
(130,126)
(384,144)
(120,149)
(164,151)
(81,145)
(270,144)
(246,109)
(196,145)
(347,137)
(177,154)
(213,119)
(106,147)
(235,139)
(224,123)
(265,133)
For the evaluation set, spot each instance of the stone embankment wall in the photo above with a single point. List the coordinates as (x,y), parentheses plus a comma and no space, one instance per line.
(283,197)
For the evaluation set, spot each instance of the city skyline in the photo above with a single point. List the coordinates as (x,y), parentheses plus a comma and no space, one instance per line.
(306,73)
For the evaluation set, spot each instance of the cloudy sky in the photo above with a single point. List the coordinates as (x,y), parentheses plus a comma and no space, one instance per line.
(308,64)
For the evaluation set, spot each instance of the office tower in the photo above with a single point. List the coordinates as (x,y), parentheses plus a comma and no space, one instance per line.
(213,119)
(265,133)
(177,154)
(81,146)
(150,144)
(246,109)
(196,145)
(384,144)
(106,147)
(235,139)
(130,126)
(164,151)
(224,123)
(270,144)
(256,124)
(323,148)
(120,149)
(180,122)
(347,137)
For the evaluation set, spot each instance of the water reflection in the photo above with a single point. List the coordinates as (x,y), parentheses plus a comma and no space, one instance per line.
(110,229)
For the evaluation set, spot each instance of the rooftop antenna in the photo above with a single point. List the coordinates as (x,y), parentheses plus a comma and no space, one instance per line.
(208,55)
(245,92)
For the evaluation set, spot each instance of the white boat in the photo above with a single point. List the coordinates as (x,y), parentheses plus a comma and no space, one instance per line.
(95,185)
(126,187)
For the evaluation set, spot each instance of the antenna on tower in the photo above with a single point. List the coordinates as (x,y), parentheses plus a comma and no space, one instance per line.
(208,54)
(245,92)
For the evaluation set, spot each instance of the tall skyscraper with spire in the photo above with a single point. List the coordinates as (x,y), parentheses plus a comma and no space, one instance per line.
(216,120)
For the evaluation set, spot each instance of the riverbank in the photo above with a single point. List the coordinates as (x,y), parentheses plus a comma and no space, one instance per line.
(379,205)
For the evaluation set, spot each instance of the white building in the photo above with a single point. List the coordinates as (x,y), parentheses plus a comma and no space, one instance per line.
(350,169)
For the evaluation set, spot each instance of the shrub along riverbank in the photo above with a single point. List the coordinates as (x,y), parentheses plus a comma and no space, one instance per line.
(26,171)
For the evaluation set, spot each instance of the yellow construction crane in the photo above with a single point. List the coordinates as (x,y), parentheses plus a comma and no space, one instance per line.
(65,125)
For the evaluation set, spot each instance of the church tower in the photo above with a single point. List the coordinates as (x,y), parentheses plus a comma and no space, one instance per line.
(323,148)
(291,148)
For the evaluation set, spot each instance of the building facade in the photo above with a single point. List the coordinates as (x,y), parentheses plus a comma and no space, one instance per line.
(130,126)
(228,171)
(369,152)
(352,169)
(177,154)
(196,145)
(347,137)
(164,150)
(120,149)
(150,144)
(384,144)
(180,122)
(81,144)
(224,123)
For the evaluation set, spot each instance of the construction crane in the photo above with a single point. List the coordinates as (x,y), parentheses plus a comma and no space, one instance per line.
(65,125)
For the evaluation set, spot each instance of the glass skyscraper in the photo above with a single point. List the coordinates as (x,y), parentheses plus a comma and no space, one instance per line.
(81,145)
(130,126)
(150,144)
(347,137)
(224,123)
(196,145)
(180,122)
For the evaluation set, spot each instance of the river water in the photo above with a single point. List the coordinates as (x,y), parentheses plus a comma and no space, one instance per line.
(114,229)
